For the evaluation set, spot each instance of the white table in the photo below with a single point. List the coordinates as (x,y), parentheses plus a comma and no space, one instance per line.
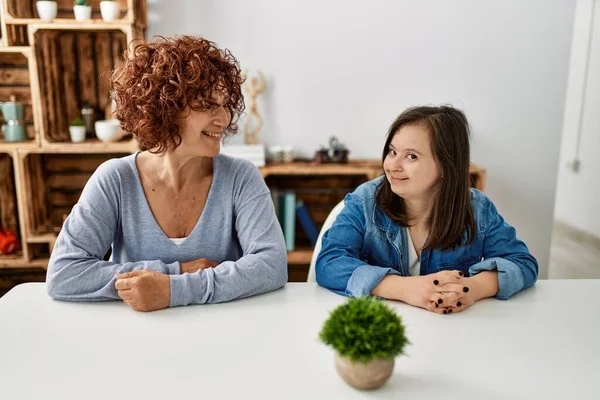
(544,343)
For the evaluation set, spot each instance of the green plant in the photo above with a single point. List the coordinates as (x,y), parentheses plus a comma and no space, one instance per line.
(77,122)
(364,329)
(81,3)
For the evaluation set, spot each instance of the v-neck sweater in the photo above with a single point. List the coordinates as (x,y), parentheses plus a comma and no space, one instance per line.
(238,229)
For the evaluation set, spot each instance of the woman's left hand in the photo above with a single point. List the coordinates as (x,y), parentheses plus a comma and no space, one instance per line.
(144,290)
(481,286)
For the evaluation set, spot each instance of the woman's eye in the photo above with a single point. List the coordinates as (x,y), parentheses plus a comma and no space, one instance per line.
(411,157)
(392,152)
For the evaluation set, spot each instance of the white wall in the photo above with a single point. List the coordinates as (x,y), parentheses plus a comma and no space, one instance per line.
(578,193)
(349,68)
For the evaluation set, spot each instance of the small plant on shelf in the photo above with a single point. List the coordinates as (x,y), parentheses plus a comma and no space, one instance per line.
(82,10)
(77,131)
(367,336)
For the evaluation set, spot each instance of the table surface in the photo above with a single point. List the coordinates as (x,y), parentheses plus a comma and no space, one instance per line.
(543,343)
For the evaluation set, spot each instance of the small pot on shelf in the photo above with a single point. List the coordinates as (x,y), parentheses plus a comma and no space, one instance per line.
(82,10)
(46,9)
(110,10)
(77,131)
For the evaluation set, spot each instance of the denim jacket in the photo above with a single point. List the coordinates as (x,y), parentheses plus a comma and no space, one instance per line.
(364,245)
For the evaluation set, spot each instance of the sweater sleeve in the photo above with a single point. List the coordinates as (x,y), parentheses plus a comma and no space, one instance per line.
(76,270)
(263,265)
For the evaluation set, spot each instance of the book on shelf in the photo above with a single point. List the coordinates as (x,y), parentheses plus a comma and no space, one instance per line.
(289,211)
(308,224)
(289,220)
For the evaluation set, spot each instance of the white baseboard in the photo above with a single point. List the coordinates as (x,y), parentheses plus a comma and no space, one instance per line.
(576,233)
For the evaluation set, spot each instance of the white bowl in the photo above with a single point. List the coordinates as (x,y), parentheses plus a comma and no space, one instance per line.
(108,130)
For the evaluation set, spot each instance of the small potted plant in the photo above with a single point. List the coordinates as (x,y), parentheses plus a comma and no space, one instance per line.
(77,131)
(46,9)
(366,336)
(82,10)
(109,9)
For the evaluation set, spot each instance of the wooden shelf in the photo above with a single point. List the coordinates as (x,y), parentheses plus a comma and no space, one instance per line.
(17,261)
(16,49)
(8,147)
(45,238)
(24,11)
(67,23)
(300,256)
(89,146)
(370,168)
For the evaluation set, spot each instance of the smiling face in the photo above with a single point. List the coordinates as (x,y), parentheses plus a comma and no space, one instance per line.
(202,131)
(409,165)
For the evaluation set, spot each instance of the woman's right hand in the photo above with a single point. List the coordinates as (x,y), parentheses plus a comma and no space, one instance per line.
(434,292)
(190,267)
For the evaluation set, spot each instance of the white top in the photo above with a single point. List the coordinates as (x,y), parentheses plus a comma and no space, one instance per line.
(541,344)
(414,263)
(177,240)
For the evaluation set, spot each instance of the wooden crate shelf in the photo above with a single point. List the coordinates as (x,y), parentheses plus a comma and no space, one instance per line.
(25,11)
(53,183)
(74,69)
(54,67)
(16,75)
(9,210)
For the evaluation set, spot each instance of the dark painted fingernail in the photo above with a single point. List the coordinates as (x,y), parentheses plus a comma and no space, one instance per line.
(445,311)
(465,289)
(436,282)
(461,273)
(449,310)
(459,304)
(440,301)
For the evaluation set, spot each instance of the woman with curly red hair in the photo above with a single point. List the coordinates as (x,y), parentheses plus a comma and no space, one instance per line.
(186,224)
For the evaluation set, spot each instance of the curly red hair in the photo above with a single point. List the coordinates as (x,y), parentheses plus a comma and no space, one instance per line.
(161,80)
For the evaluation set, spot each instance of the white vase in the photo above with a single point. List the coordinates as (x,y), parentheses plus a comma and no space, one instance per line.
(77,133)
(110,10)
(46,10)
(82,13)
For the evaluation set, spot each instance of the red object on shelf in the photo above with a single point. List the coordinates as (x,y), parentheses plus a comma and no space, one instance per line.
(8,242)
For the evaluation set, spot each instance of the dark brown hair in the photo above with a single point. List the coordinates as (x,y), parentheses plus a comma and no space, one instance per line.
(160,80)
(451,212)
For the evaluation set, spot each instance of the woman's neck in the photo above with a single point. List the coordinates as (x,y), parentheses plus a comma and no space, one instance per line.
(418,210)
(177,171)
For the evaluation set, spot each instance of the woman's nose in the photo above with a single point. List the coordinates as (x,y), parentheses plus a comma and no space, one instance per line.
(398,165)
(223,117)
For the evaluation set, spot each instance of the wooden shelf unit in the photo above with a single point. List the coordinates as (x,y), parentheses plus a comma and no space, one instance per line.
(320,187)
(54,67)
(16,77)
(19,15)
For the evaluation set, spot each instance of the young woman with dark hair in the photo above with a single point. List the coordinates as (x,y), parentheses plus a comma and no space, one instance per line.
(420,234)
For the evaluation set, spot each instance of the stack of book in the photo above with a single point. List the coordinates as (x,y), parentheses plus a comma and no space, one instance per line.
(288,209)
